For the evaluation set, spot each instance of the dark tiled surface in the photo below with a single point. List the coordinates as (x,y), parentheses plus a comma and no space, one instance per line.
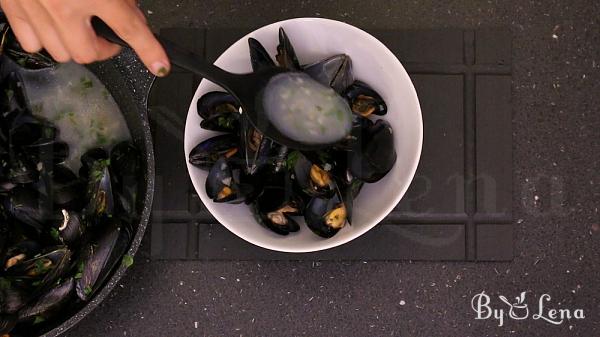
(555,198)
(449,173)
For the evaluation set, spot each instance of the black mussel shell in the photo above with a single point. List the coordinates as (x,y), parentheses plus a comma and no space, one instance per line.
(223,122)
(70,228)
(274,208)
(326,216)
(21,169)
(28,206)
(100,257)
(334,71)
(364,101)
(19,57)
(313,179)
(360,126)
(217,102)
(126,168)
(89,158)
(43,270)
(27,129)
(286,56)
(223,183)
(376,155)
(205,154)
(65,188)
(13,102)
(11,299)
(99,192)
(7,323)
(48,153)
(22,251)
(259,57)
(48,303)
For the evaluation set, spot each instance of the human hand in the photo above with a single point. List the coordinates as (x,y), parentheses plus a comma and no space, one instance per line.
(63,28)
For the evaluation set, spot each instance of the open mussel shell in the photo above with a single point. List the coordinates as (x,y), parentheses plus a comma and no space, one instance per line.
(313,178)
(223,183)
(217,102)
(206,153)
(326,216)
(99,192)
(64,188)
(42,270)
(364,101)
(100,257)
(376,155)
(222,122)
(334,71)
(259,57)
(50,302)
(274,208)
(286,55)
(22,251)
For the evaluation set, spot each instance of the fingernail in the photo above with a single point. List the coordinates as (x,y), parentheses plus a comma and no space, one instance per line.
(160,69)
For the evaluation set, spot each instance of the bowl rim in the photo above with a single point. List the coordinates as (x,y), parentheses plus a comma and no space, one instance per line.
(326,244)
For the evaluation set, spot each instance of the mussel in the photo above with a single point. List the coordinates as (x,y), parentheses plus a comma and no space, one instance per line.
(375,156)
(365,101)
(48,303)
(99,191)
(100,257)
(28,206)
(217,103)
(125,164)
(223,183)
(274,208)
(312,178)
(70,228)
(259,57)
(286,55)
(206,153)
(326,216)
(334,71)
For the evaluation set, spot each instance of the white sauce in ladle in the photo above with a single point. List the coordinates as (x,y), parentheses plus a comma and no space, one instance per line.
(305,110)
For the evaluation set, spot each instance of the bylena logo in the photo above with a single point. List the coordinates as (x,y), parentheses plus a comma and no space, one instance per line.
(519,309)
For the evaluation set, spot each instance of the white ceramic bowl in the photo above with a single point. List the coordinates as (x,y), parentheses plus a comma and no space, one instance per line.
(315,39)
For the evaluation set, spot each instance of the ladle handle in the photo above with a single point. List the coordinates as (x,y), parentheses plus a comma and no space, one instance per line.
(178,56)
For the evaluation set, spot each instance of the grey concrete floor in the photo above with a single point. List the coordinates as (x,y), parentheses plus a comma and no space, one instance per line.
(556,95)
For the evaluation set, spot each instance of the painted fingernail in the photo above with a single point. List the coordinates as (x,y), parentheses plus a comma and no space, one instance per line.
(160,69)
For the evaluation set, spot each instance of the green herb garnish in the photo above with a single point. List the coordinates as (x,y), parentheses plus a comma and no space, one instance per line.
(87,290)
(291,160)
(86,82)
(127,260)
(79,273)
(39,319)
(55,234)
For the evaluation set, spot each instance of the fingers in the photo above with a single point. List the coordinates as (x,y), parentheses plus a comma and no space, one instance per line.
(22,29)
(133,29)
(44,27)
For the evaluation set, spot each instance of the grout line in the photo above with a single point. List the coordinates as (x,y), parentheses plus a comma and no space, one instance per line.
(469,97)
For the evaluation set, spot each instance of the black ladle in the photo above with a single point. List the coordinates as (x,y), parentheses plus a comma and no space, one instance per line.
(247,88)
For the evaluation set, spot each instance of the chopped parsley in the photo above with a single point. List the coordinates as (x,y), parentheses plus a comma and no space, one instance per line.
(55,234)
(127,260)
(291,160)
